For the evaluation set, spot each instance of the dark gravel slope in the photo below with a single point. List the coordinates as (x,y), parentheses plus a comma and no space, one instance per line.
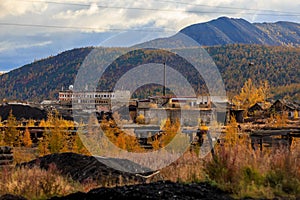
(157,190)
(81,168)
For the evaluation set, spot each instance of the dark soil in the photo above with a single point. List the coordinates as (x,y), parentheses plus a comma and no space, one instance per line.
(86,168)
(11,197)
(157,190)
(82,168)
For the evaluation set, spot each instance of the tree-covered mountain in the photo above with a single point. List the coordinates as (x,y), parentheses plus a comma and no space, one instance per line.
(241,50)
(232,31)
(43,79)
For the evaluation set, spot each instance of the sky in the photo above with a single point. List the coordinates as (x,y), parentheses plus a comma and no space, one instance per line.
(34,29)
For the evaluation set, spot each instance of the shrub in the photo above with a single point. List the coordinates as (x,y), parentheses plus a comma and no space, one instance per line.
(239,169)
(140,119)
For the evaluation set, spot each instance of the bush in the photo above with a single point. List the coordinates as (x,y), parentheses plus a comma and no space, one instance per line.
(140,119)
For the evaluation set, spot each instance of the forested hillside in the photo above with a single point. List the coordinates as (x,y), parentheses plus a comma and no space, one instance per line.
(43,79)
(279,65)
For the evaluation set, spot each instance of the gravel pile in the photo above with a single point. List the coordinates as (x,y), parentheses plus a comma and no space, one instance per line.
(22,112)
(82,168)
(157,190)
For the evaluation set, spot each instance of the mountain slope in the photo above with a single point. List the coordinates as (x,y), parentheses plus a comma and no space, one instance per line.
(231,31)
(43,79)
(267,45)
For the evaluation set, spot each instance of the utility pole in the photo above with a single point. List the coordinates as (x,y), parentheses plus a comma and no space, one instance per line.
(164,87)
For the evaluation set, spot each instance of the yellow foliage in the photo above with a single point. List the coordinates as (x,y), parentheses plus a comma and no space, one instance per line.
(250,94)
(120,138)
(1,122)
(155,143)
(280,119)
(56,137)
(12,136)
(30,123)
(231,137)
(26,138)
(296,114)
(140,119)
(43,146)
(153,105)
(42,123)
(78,147)
(170,130)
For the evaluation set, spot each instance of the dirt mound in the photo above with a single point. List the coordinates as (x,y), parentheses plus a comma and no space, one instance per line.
(157,190)
(11,197)
(82,168)
(22,112)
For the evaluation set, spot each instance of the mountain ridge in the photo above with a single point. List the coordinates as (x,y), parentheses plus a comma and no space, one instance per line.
(277,63)
(226,30)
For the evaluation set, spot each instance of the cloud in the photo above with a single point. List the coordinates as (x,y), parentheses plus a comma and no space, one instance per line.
(18,8)
(74,14)
(8,46)
(128,14)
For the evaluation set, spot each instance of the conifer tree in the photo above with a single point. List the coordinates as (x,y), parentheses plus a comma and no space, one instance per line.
(43,146)
(250,94)
(11,134)
(26,138)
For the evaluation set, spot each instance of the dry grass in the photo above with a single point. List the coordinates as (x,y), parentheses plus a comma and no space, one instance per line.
(36,183)
(237,168)
(24,154)
(188,168)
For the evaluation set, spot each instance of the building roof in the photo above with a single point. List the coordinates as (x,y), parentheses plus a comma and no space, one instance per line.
(288,104)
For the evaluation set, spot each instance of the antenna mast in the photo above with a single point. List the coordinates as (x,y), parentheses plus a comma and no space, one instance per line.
(164,87)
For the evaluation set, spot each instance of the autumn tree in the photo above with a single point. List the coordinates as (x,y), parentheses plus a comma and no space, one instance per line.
(231,136)
(58,134)
(43,146)
(30,123)
(250,94)
(119,138)
(55,136)
(78,147)
(155,143)
(170,130)
(11,134)
(42,123)
(27,142)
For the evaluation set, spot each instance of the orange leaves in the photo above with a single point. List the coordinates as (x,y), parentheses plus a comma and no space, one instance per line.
(121,139)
